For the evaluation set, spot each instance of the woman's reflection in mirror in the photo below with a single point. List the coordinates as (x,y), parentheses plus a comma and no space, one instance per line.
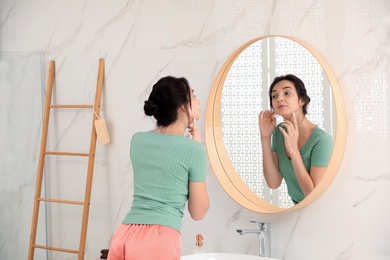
(295,150)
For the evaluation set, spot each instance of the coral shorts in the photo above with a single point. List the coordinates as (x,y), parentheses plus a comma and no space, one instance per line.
(145,242)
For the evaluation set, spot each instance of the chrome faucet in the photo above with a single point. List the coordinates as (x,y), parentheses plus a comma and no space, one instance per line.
(264,234)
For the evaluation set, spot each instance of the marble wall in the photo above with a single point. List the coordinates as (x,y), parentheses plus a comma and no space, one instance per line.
(142,41)
(21,102)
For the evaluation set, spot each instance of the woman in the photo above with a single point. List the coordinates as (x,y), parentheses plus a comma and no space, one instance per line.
(169,169)
(299,151)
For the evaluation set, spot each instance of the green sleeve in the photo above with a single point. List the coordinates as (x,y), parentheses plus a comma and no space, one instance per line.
(322,150)
(198,164)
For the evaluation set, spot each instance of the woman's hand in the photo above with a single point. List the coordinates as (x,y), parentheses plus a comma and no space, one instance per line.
(267,122)
(291,135)
(194,132)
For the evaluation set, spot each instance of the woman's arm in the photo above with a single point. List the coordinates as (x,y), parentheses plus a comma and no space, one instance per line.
(271,173)
(198,201)
(307,181)
(198,198)
(270,164)
(316,174)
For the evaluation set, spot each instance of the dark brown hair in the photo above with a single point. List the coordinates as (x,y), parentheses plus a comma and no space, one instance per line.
(167,95)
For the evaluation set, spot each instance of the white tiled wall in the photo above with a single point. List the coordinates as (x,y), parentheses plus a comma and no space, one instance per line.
(144,40)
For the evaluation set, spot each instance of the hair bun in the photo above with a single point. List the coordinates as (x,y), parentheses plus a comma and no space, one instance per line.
(150,108)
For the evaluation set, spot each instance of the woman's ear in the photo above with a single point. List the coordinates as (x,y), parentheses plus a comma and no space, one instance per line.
(183,110)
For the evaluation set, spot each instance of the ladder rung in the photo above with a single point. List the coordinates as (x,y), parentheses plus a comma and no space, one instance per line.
(66,153)
(57,249)
(71,106)
(62,201)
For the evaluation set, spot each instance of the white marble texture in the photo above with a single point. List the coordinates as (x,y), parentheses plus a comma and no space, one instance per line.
(144,40)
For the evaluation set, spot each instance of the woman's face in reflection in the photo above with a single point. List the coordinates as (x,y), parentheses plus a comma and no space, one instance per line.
(285,99)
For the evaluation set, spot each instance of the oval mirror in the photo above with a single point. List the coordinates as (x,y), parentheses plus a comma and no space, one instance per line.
(240,92)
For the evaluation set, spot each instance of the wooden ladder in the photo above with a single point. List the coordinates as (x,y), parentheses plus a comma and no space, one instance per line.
(91,161)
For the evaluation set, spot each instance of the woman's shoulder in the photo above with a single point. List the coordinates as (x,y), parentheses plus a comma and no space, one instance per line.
(277,131)
(320,134)
(172,139)
(145,136)
(142,134)
(278,125)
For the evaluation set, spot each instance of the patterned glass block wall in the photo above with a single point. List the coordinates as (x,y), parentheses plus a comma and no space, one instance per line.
(245,94)
(241,102)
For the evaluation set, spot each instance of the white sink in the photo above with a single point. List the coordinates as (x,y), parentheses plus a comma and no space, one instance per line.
(224,256)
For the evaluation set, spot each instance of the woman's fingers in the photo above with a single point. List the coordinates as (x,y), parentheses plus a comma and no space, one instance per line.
(266,114)
(193,125)
(267,123)
(288,125)
(295,121)
(283,131)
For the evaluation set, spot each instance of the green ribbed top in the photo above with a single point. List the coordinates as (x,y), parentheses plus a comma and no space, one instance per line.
(315,152)
(163,165)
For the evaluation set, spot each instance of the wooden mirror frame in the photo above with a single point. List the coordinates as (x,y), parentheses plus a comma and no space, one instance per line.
(219,159)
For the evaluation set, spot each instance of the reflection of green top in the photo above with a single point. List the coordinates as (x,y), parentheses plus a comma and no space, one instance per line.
(315,152)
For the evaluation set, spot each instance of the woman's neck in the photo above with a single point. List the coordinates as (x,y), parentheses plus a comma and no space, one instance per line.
(304,125)
(302,122)
(176,128)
